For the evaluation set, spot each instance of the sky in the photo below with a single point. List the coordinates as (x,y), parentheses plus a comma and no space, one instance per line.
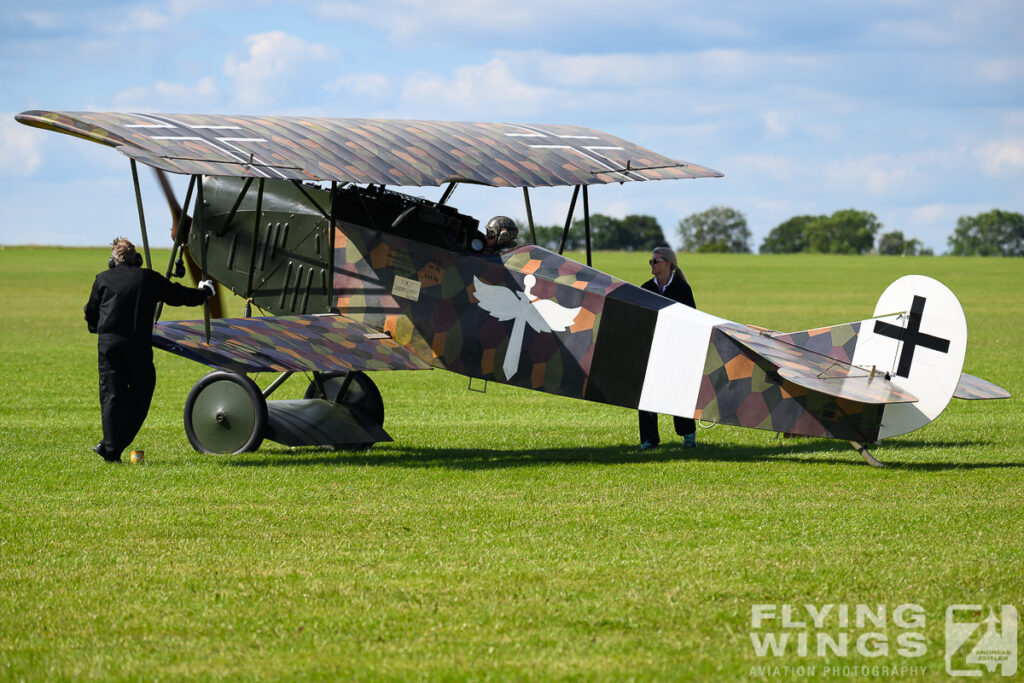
(912,110)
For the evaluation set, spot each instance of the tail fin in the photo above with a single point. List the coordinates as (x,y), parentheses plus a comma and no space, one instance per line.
(918,338)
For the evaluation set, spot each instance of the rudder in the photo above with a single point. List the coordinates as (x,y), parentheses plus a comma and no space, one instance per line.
(918,340)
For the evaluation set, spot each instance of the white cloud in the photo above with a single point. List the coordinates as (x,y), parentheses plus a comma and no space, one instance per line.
(931,213)
(914,32)
(762,167)
(408,19)
(1014,118)
(165,96)
(132,98)
(489,90)
(894,175)
(1001,70)
(777,123)
(999,159)
(144,19)
(569,23)
(126,18)
(363,85)
(203,89)
(20,147)
(878,174)
(42,19)
(604,70)
(271,58)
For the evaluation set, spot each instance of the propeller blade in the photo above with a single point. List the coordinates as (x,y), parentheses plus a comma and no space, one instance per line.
(195,272)
(172,204)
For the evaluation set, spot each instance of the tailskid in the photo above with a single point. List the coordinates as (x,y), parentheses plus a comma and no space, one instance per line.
(868,458)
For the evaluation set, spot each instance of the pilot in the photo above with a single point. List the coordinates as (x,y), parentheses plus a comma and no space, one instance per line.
(120,310)
(670,282)
(501,231)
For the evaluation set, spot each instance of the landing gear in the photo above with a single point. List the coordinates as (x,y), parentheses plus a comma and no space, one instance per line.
(356,392)
(352,389)
(225,413)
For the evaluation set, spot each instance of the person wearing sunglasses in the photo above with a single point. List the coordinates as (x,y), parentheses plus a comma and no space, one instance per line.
(670,282)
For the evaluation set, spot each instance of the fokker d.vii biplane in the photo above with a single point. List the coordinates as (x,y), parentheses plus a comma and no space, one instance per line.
(294,215)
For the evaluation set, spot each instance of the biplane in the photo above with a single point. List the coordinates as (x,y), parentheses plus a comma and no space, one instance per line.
(299,217)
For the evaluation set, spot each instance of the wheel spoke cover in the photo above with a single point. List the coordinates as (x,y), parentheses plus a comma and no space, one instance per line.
(225,413)
(362,394)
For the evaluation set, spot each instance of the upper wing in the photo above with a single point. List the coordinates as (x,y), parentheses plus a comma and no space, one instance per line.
(389,152)
(819,372)
(286,343)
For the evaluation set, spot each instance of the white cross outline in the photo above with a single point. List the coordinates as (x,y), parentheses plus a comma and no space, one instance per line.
(166,122)
(588,152)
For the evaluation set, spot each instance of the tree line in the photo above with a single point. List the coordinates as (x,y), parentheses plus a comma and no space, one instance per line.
(848,231)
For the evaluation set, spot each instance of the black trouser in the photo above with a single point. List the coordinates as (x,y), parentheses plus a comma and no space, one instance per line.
(649,427)
(127,379)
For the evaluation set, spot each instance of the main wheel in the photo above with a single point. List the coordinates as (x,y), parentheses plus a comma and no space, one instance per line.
(353,389)
(225,413)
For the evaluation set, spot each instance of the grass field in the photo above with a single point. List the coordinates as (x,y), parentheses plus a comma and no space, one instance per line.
(502,535)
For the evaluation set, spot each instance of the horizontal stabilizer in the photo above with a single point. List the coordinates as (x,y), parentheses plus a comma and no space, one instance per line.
(818,372)
(286,343)
(860,387)
(976,389)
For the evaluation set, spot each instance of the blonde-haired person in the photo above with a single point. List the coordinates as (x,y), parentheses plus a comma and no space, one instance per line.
(120,311)
(669,281)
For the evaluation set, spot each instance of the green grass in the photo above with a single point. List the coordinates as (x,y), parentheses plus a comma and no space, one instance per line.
(502,535)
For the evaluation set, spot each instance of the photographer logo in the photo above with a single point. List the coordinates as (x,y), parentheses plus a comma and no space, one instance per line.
(977,645)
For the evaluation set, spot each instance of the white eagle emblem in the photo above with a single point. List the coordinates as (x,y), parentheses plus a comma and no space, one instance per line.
(544,315)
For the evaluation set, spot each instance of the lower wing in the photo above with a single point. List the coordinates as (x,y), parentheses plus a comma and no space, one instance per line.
(286,343)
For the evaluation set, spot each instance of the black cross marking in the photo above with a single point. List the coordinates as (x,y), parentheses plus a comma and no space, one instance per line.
(912,337)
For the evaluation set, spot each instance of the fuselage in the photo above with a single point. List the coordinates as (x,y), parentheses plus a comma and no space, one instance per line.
(522,315)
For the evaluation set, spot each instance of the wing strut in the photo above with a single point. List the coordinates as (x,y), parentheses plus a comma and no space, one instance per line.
(312,201)
(238,202)
(330,242)
(568,218)
(142,214)
(448,192)
(179,236)
(252,249)
(203,239)
(529,214)
(586,222)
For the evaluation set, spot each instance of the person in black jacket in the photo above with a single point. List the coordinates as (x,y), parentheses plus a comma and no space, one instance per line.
(670,282)
(120,310)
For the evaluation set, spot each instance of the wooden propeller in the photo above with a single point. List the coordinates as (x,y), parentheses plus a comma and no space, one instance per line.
(195,272)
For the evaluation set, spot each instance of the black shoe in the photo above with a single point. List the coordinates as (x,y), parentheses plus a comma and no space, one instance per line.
(102,452)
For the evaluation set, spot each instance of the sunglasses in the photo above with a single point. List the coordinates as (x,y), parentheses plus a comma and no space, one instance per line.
(656,260)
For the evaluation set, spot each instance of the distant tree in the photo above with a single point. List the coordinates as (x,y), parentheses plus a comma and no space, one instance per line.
(643,232)
(894,244)
(605,232)
(995,233)
(548,236)
(789,237)
(634,232)
(720,228)
(847,231)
